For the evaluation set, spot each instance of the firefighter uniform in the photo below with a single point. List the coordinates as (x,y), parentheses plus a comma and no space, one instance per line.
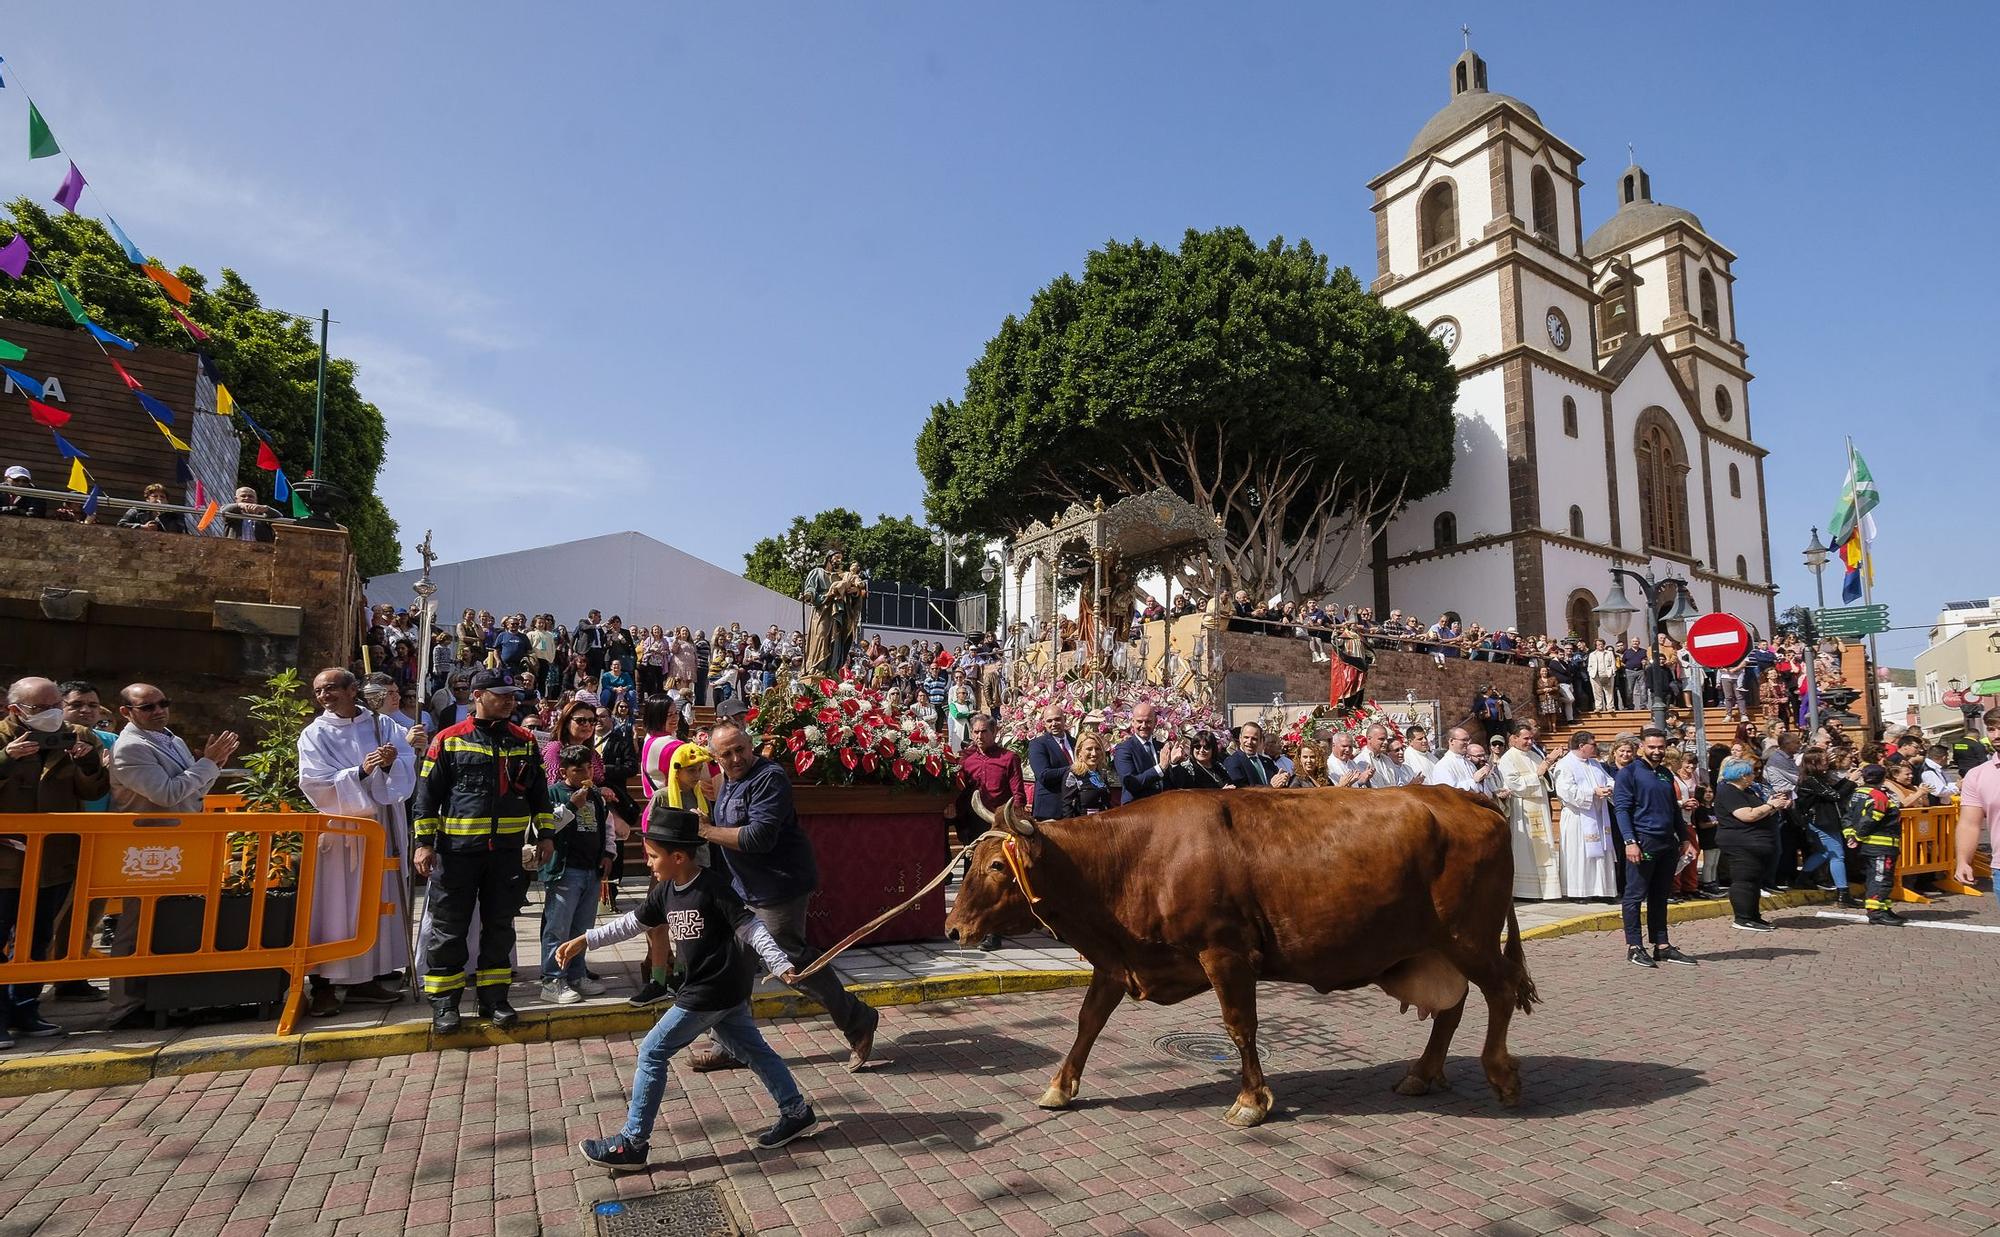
(1875,831)
(481,787)
(1968,753)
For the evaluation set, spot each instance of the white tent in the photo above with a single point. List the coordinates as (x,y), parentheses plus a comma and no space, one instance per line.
(627,574)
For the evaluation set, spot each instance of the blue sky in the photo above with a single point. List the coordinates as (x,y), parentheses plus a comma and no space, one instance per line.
(691,270)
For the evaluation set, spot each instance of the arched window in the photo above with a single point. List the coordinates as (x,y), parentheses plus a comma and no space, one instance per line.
(1742,568)
(1444,530)
(1542,190)
(1662,460)
(1724,409)
(1582,622)
(1569,416)
(1614,314)
(1709,317)
(1735,482)
(1437,218)
(1576,521)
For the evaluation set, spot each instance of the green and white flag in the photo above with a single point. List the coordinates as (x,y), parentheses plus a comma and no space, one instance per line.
(1858,498)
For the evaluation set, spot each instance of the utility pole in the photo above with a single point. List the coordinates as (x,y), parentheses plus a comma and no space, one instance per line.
(319,399)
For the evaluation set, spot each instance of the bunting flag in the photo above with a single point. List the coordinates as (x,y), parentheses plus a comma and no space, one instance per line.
(280,489)
(70,303)
(22,381)
(41,142)
(174,287)
(130,381)
(70,451)
(200,498)
(176,443)
(54,418)
(90,503)
(208,367)
(267,459)
(182,472)
(12,351)
(192,329)
(79,480)
(225,403)
(207,513)
(299,509)
(14,257)
(71,190)
(106,337)
(3,81)
(254,427)
(154,408)
(132,253)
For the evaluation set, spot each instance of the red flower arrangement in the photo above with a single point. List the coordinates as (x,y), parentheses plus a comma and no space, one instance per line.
(843,734)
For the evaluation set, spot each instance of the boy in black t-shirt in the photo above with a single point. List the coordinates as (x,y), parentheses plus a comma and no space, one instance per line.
(702,915)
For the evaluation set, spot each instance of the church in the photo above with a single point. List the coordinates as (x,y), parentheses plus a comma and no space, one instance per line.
(1603,412)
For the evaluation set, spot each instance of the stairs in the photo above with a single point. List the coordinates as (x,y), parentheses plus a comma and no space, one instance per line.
(1608,724)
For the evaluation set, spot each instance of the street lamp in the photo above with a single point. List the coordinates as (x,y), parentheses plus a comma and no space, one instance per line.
(1815,555)
(1616,611)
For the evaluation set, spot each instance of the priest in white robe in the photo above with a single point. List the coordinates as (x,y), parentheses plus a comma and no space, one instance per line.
(355,762)
(1583,786)
(1537,866)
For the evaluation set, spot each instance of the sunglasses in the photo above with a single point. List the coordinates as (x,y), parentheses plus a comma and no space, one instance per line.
(151,706)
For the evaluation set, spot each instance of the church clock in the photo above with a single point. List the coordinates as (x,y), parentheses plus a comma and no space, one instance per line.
(1558,329)
(1445,332)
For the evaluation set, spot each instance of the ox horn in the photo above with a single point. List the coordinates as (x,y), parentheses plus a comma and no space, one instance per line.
(1011,819)
(983,812)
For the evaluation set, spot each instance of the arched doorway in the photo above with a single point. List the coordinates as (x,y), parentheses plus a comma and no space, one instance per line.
(1582,623)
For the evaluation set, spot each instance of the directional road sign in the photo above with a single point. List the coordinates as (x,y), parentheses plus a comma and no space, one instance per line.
(1718,641)
(1853,620)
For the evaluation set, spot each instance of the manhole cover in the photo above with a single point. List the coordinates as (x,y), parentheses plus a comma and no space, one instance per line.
(1198,1046)
(690,1211)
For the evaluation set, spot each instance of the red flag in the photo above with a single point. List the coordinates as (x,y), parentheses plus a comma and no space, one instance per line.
(200,497)
(182,318)
(207,516)
(267,459)
(54,418)
(130,381)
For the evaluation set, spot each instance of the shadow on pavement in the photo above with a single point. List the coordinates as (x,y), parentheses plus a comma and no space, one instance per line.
(1550,1087)
(961,1050)
(1762,953)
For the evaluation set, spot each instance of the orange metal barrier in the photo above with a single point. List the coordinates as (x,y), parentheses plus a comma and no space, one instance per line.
(138,860)
(1930,848)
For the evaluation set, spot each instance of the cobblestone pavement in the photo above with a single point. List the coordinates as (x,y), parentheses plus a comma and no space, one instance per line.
(1829,1077)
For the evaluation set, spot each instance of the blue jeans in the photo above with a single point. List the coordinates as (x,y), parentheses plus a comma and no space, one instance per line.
(1831,852)
(1647,883)
(739,1037)
(569,911)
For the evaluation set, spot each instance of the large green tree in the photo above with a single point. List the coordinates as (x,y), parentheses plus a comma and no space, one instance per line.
(268,360)
(894,547)
(1251,380)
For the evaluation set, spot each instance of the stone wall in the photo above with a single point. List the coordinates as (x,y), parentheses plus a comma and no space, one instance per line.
(206,619)
(1255,668)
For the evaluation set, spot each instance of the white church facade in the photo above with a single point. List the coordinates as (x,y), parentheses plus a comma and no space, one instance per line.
(1603,411)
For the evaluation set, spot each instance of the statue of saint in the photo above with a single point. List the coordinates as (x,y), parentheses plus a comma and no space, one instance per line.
(834,593)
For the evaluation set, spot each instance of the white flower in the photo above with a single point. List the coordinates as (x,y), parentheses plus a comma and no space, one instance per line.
(815,734)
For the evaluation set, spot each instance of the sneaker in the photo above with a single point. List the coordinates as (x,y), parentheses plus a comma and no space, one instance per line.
(325,1002)
(1890,911)
(1767,891)
(1756,925)
(1885,919)
(710,1057)
(617,1153)
(787,1129)
(1669,953)
(589,987)
(6,1041)
(566,995)
(1638,956)
(1824,886)
(78,990)
(990,942)
(40,1028)
(552,990)
(651,994)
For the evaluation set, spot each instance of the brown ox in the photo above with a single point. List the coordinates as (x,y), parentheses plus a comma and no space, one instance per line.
(1170,896)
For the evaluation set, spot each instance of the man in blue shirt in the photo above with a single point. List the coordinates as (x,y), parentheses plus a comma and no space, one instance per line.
(770,863)
(1646,815)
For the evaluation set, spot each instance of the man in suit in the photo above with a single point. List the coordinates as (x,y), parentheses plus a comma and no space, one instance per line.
(1248,766)
(1141,763)
(1050,755)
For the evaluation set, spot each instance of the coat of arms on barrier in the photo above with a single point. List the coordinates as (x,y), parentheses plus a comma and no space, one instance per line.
(151,862)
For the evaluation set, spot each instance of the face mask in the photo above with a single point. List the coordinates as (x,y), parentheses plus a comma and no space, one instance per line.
(48,721)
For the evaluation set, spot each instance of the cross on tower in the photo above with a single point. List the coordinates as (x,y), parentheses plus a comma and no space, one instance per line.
(1467,32)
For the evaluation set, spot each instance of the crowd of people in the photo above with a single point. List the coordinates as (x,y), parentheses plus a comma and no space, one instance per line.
(243,518)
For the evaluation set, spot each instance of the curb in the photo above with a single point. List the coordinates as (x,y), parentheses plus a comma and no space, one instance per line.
(71,1071)
(91,1068)
(1684,912)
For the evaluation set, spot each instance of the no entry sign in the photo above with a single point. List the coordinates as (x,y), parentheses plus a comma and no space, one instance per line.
(1718,641)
